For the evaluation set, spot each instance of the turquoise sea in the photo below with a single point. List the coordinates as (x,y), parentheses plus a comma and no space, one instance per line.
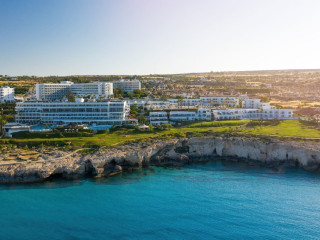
(205,201)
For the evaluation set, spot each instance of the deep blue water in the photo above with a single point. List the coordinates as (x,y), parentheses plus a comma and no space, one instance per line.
(205,201)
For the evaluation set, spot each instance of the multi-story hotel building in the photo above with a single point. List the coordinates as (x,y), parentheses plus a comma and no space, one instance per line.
(6,94)
(263,114)
(255,103)
(79,112)
(56,91)
(227,101)
(158,118)
(127,86)
(207,101)
(177,116)
(97,89)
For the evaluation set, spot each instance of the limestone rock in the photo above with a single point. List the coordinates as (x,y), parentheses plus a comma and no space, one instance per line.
(176,152)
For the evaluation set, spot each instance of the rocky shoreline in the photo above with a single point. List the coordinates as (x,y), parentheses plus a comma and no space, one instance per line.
(174,152)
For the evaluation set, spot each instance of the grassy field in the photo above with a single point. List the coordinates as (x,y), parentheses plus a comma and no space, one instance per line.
(219,124)
(286,128)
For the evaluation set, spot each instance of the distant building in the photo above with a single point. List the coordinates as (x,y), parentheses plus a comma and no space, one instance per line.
(56,91)
(127,86)
(52,91)
(149,104)
(268,85)
(207,101)
(255,103)
(264,114)
(7,94)
(190,102)
(227,101)
(162,86)
(103,89)
(79,112)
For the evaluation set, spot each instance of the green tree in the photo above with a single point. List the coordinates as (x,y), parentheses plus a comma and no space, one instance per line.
(118,92)
(264,99)
(142,119)
(70,96)
(134,110)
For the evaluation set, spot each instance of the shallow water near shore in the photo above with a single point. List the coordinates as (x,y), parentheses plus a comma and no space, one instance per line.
(198,201)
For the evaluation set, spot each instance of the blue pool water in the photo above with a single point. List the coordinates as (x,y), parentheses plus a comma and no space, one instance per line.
(205,201)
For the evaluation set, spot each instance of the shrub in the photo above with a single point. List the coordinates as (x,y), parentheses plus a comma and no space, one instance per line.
(165,126)
(53,134)
(102,131)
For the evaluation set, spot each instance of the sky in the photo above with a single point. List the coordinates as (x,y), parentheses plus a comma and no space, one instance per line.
(101,37)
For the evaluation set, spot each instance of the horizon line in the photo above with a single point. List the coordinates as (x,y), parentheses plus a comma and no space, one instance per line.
(187,73)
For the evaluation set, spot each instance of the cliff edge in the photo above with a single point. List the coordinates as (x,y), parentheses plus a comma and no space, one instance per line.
(109,161)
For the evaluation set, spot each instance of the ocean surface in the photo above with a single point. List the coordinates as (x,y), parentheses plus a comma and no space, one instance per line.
(203,201)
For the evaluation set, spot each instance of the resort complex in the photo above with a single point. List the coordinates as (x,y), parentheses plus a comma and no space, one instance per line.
(93,104)
(156,119)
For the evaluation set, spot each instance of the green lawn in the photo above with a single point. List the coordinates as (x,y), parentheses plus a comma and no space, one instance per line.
(228,123)
(286,128)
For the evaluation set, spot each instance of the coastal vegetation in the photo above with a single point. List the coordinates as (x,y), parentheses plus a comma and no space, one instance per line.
(288,129)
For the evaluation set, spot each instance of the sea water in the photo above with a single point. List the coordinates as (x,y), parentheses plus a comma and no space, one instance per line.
(205,201)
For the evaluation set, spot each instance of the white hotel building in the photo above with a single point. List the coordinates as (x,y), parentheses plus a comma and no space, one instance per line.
(56,91)
(228,101)
(127,86)
(255,103)
(207,101)
(158,118)
(149,104)
(6,94)
(79,112)
(263,114)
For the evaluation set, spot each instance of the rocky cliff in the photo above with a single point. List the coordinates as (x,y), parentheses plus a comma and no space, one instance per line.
(106,162)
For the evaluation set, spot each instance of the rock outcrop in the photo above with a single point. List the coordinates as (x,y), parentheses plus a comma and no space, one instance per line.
(175,152)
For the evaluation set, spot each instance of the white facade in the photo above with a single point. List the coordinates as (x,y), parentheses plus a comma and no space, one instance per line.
(207,101)
(56,91)
(228,101)
(204,114)
(182,116)
(173,101)
(255,103)
(127,86)
(158,118)
(149,104)
(264,114)
(103,89)
(57,113)
(190,102)
(52,91)
(7,94)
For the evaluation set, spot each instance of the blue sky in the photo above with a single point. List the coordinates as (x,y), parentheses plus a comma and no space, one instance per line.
(65,37)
